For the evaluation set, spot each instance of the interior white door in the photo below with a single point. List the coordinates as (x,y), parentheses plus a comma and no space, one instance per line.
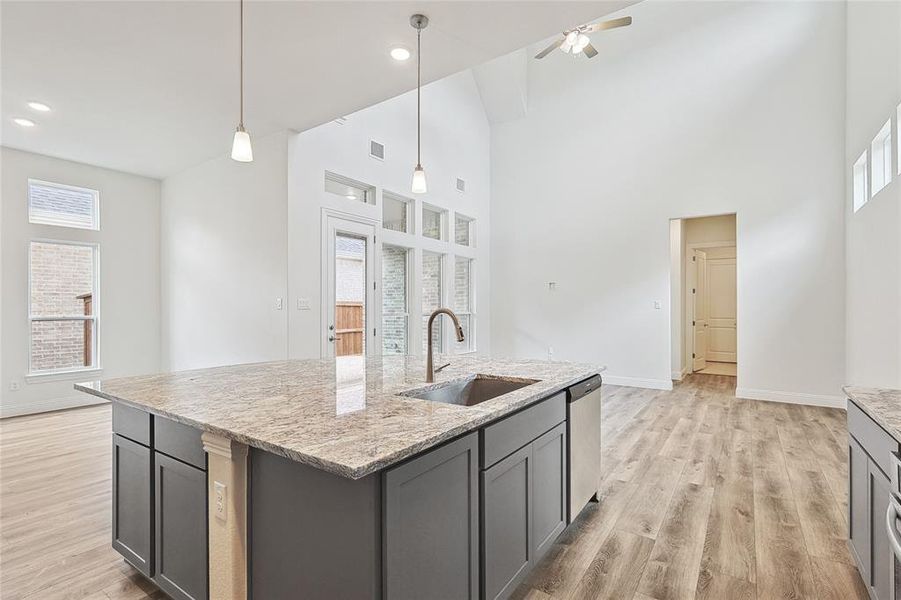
(721,310)
(699,313)
(348,275)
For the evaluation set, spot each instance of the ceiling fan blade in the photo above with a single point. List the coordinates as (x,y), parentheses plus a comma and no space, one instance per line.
(590,51)
(549,49)
(612,24)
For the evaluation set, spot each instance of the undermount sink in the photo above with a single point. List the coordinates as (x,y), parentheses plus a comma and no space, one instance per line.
(471,390)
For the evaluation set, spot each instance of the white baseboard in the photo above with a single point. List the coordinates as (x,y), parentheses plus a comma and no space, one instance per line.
(793,397)
(638,382)
(40,406)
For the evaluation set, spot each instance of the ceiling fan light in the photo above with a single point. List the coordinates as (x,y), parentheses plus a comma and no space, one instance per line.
(572,37)
(419,185)
(242,151)
(582,42)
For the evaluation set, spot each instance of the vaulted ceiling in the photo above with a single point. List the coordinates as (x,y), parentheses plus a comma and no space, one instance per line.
(152,87)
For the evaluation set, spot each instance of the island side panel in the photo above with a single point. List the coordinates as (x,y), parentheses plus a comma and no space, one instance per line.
(313,535)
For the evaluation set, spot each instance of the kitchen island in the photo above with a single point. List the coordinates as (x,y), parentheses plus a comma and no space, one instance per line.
(330,479)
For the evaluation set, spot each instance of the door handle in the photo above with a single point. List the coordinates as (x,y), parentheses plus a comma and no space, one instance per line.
(332,338)
(893,512)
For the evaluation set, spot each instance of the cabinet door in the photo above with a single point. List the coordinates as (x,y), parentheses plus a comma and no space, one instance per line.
(548,489)
(431,524)
(181,529)
(859,506)
(132,507)
(882,563)
(506,518)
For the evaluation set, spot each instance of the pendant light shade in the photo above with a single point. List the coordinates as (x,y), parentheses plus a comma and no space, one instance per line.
(242,151)
(419,186)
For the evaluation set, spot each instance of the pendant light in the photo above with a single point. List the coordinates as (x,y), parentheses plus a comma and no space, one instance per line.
(241,148)
(419,186)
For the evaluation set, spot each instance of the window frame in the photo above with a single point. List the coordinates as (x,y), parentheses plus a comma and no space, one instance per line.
(409,204)
(442,301)
(369,190)
(95,212)
(442,222)
(471,313)
(408,295)
(862,163)
(470,225)
(882,146)
(94,317)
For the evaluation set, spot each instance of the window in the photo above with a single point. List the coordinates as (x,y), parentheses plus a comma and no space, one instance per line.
(63,306)
(859,185)
(463,227)
(395,317)
(396,213)
(63,205)
(463,289)
(348,188)
(881,159)
(433,222)
(432,273)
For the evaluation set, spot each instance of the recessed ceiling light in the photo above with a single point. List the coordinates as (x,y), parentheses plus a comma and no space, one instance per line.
(38,106)
(23,122)
(400,53)
(350,197)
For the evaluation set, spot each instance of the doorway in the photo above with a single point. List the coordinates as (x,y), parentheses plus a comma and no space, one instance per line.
(348,298)
(705,296)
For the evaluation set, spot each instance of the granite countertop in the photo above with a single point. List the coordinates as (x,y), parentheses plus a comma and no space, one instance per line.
(882,404)
(340,415)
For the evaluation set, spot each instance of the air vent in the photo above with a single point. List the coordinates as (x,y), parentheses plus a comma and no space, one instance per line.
(461,186)
(340,120)
(376,150)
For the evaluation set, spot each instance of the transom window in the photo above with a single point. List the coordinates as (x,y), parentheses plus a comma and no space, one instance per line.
(63,205)
(348,188)
(859,182)
(63,306)
(463,230)
(433,220)
(396,211)
(881,158)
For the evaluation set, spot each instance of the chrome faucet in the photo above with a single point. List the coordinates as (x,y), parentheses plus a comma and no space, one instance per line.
(429,365)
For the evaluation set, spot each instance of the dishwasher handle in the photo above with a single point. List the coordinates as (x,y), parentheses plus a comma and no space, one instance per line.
(893,512)
(583,388)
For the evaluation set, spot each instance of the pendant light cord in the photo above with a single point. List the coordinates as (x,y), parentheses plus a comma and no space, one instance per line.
(418,94)
(241,62)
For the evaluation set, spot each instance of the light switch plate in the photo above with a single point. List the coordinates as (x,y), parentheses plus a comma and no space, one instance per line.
(303,304)
(279,304)
(220,497)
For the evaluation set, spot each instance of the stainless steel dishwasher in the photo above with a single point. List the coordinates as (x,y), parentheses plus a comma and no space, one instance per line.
(583,425)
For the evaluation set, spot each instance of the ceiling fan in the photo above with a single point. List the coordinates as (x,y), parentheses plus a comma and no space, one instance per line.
(576,41)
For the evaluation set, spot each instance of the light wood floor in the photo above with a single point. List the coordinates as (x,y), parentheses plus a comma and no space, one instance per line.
(720,368)
(711,497)
(55,510)
(704,496)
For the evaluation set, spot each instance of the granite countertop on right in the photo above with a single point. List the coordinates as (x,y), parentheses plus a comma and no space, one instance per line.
(883,405)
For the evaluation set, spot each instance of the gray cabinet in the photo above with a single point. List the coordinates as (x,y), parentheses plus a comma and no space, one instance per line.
(870,456)
(181,529)
(549,490)
(523,511)
(431,525)
(132,508)
(858,501)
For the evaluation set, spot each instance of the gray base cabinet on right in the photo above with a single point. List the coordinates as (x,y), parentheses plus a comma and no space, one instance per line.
(523,511)
(870,450)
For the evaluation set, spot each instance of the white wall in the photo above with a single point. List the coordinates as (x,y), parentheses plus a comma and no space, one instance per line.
(235,237)
(224,261)
(129,319)
(455,143)
(873,234)
(696,109)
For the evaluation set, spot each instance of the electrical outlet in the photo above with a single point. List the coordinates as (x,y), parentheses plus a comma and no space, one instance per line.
(14,386)
(656,305)
(279,304)
(220,492)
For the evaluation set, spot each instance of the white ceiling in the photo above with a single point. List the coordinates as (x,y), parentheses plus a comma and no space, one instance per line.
(152,87)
